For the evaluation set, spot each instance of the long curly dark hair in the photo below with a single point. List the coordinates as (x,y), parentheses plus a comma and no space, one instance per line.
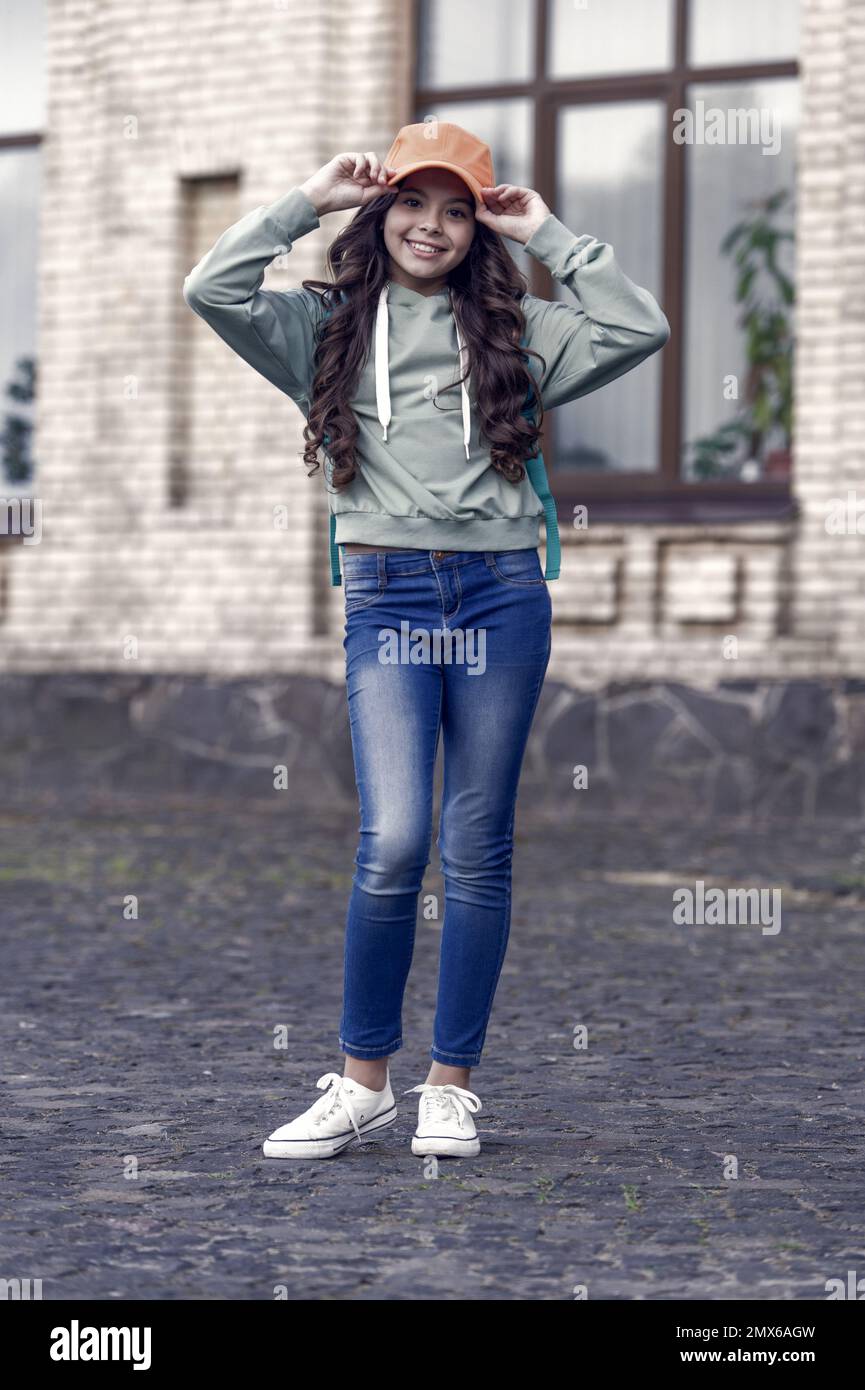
(486,289)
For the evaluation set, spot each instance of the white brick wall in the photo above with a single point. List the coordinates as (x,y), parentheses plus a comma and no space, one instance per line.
(132,385)
(830,363)
(249,98)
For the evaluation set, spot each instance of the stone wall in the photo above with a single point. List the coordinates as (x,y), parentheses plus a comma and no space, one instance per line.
(662,751)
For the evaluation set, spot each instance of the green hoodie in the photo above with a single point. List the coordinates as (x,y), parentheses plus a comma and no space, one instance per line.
(425,478)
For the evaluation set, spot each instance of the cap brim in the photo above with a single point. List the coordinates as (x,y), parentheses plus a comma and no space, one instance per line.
(471,182)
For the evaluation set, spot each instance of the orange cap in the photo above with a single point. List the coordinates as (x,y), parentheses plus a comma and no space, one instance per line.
(442,145)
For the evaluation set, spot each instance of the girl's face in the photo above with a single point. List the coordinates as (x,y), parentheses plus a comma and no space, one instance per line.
(433,208)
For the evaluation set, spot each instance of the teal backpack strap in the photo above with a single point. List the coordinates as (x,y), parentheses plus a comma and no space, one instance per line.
(335,574)
(537,472)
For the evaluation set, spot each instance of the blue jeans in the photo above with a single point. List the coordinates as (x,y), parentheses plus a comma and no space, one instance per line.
(459,642)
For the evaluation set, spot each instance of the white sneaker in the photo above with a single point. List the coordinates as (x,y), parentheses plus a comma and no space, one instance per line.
(345,1113)
(445,1125)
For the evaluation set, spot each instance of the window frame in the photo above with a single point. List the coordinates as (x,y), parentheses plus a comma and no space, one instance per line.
(24,139)
(662,494)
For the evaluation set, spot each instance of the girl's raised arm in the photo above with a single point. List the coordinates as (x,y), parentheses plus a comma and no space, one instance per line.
(614,326)
(273,330)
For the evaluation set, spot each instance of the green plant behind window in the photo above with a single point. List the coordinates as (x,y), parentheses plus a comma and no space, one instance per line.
(17,432)
(766,295)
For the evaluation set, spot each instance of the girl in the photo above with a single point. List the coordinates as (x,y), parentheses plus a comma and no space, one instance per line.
(439,527)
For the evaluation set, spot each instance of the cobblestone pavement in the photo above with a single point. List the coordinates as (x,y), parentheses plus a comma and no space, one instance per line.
(141,1075)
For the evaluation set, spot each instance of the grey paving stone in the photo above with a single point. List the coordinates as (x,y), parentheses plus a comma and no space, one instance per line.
(140,1075)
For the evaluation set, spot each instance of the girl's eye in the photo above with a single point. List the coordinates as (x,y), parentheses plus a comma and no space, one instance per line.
(410,199)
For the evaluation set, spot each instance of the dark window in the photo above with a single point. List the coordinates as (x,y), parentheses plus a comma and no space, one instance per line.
(663,127)
(22,112)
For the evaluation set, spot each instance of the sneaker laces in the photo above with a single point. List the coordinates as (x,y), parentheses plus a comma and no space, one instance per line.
(446,1101)
(336,1096)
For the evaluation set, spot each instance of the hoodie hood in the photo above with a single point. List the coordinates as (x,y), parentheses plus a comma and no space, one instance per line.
(382,372)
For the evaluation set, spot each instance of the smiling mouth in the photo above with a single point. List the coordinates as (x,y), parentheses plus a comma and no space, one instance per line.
(424,249)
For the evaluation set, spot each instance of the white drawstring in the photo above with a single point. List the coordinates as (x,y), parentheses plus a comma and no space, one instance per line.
(382,376)
(464,362)
(382,384)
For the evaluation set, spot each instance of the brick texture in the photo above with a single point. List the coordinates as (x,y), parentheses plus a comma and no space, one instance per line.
(165,464)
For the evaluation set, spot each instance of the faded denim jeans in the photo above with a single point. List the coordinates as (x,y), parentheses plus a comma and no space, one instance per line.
(458,643)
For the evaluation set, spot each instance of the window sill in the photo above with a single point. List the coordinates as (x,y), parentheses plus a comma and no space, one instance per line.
(686,505)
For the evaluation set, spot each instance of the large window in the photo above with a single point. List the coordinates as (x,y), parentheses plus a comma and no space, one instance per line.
(666,128)
(22,102)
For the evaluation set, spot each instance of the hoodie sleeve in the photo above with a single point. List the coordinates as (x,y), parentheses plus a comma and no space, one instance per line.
(614,326)
(273,330)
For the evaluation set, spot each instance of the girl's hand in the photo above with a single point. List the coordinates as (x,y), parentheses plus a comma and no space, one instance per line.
(513,212)
(350,180)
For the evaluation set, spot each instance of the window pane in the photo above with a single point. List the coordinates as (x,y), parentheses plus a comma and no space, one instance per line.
(743,31)
(616,36)
(22,93)
(506,126)
(724,182)
(611,164)
(19,226)
(465,45)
